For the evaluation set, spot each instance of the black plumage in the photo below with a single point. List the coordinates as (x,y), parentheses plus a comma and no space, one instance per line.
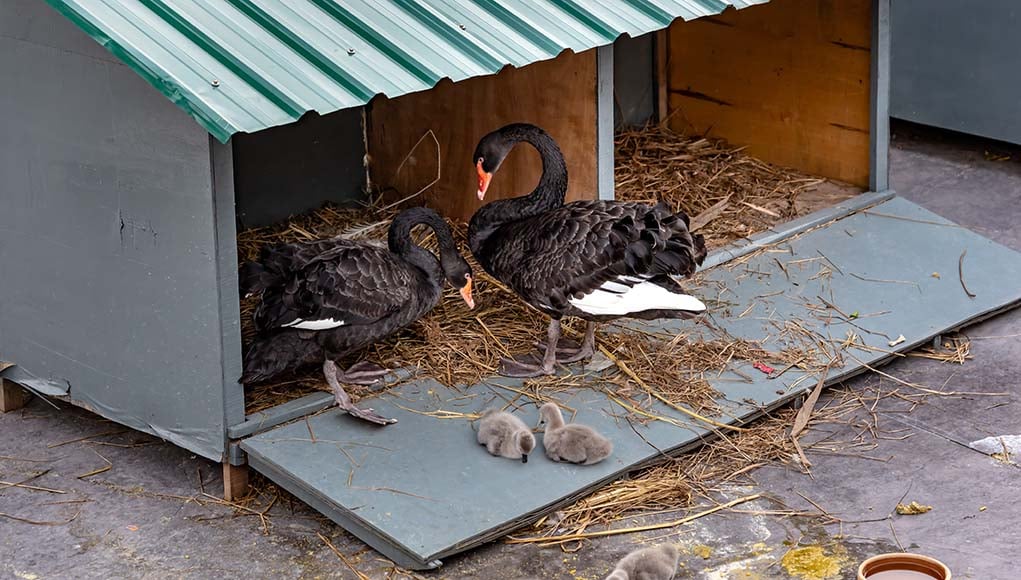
(325,299)
(597,260)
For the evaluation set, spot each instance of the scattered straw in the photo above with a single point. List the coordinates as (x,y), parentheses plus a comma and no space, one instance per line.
(105,468)
(560,539)
(37,522)
(722,463)
(86,438)
(342,558)
(956,349)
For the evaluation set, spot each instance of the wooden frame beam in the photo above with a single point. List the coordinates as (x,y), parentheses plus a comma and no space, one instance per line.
(12,396)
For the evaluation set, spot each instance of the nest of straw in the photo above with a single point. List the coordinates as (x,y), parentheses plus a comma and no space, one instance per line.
(458,346)
(452,344)
(728,194)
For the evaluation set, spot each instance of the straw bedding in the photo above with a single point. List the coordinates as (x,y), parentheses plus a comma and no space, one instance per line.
(729,193)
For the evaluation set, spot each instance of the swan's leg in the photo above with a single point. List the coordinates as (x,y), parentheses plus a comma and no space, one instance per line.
(573,351)
(333,377)
(524,366)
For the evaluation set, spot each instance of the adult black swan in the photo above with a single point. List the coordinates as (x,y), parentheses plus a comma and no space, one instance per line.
(325,299)
(597,260)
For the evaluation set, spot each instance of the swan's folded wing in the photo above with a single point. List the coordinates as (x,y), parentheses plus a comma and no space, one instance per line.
(352,284)
(583,247)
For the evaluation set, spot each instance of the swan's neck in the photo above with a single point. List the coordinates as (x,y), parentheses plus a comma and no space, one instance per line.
(552,187)
(554,419)
(548,194)
(401,243)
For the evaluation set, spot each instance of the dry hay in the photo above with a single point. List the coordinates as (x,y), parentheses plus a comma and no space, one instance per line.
(672,485)
(458,346)
(728,193)
(955,349)
(677,367)
(452,344)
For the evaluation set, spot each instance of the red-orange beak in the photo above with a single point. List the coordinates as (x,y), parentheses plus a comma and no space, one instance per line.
(466,293)
(484,179)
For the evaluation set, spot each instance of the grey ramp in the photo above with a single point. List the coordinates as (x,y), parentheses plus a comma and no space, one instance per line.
(424,489)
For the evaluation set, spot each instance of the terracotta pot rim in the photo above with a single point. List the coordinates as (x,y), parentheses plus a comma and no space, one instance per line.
(906,556)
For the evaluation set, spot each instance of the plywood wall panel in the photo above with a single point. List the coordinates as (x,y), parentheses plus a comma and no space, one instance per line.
(789,80)
(559,95)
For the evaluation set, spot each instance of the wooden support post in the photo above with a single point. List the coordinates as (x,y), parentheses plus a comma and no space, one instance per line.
(12,396)
(235,481)
(661,79)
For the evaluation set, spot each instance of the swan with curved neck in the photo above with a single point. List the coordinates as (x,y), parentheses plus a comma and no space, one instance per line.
(326,299)
(597,260)
(548,194)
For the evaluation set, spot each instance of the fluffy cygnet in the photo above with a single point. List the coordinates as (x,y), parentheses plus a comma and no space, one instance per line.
(655,563)
(505,435)
(572,443)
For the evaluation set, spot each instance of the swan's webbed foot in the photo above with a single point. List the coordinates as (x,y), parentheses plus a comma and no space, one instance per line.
(529,365)
(525,366)
(362,373)
(355,375)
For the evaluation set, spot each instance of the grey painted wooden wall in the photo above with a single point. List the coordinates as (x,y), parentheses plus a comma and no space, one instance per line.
(955,65)
(634,87)
(291,169)
(108,271)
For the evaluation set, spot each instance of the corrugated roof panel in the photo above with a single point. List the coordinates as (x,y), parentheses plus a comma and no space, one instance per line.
(245,65)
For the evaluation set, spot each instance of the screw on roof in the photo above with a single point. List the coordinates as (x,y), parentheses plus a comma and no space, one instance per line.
(350,51)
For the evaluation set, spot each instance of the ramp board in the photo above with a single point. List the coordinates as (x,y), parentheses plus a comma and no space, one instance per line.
(423,489)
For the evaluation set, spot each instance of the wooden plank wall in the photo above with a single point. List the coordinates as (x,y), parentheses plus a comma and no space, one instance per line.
(559,95)
(788,79)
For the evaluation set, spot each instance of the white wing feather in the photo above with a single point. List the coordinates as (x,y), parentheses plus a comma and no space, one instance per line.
(643,296)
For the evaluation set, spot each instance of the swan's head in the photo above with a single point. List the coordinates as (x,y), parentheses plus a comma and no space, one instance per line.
(549,413)
(525,442)
(489,154)
(459,274)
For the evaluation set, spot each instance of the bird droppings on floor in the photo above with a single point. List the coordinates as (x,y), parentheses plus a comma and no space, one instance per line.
(702,551)
(815,562)
(912,509)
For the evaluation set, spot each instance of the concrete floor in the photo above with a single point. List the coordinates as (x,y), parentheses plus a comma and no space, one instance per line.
(134,520)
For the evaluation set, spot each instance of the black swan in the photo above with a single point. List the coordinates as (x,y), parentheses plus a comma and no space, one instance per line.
(325,299)
(597,260)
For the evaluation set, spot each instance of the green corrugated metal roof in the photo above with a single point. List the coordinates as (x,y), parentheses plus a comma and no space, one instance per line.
(245,65)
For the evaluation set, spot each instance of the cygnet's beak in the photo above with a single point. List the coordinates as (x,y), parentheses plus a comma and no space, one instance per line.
(524,458)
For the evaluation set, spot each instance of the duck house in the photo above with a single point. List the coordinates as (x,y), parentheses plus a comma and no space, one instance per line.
(141,138)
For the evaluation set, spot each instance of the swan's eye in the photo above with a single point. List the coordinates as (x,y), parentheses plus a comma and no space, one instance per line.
(480,160)
(467,276)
